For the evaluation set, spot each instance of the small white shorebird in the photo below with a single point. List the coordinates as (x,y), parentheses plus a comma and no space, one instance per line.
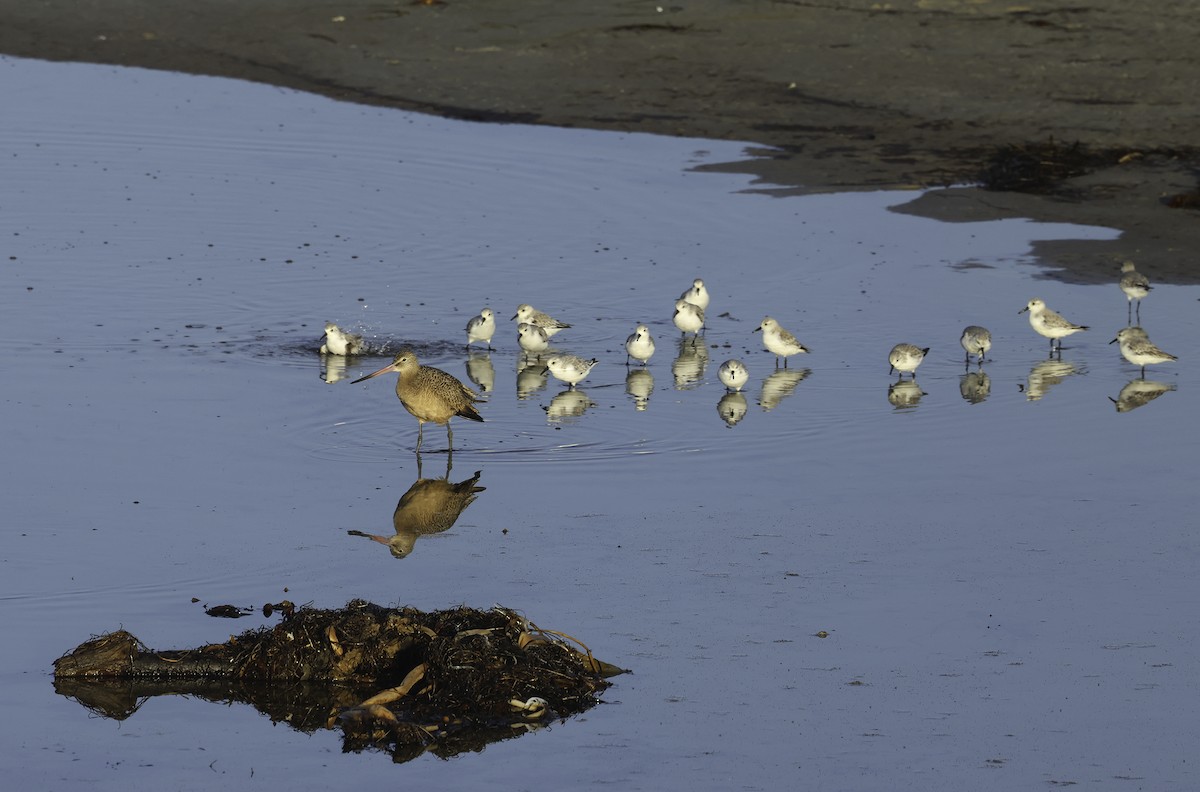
(639,345)
(1049,324)
(482,327)
(688,318)
(906,357)
(569,368)
(733,374)
(1138,349)
(778,341)
(697,295)
(527,315)
(1135,285)
(532,338)
(976,340)
(339,342)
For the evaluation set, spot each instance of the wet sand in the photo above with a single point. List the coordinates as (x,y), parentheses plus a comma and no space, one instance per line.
(843,96)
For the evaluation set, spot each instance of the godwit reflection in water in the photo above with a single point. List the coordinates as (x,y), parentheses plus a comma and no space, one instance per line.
(430,506)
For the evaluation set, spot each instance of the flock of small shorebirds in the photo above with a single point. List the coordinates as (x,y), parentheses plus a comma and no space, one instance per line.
(431,394)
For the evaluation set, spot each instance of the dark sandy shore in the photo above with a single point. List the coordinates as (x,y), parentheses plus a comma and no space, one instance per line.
(850,94)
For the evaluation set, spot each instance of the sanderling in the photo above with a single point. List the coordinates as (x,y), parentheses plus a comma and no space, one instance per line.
(1049,324)
(1135,285)
(639,383)
(532,338)
(688,318)
(906,357)
(339,342)
(640,345)
(429,394)
(526,314)
(569,368)
(1138,349)
(482,327)
(733,374)
(976,340)
(697,295)
(778,341)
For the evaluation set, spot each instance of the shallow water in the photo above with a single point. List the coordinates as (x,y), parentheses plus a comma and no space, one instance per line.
(1006,578)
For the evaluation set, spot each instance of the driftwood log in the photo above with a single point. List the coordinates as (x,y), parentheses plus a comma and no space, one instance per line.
(397,679)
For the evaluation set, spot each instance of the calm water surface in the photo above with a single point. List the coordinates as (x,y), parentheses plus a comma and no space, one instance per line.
(1003,562)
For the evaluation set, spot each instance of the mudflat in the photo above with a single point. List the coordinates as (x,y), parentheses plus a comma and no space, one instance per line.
(845,95)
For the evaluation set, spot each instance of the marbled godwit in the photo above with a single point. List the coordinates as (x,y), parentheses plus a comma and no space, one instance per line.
(429,394)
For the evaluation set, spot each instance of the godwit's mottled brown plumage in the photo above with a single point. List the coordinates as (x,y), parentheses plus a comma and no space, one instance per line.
(430,506)
(429,394)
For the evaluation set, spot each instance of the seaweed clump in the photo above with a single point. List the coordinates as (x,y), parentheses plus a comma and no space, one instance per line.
(397,679)
(1043,167)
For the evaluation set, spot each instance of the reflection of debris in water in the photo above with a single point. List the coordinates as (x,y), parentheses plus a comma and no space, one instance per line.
(430,506)
(400,680)
(1045,375)
(639,384)
(975,386)
(778,385)
(732,408)
(568,404)
(1139,392)
(905,394)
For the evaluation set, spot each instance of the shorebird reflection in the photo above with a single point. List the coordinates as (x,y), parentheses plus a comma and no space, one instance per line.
(569,404)
(481,371)
(732,408)
(639,383)
(333,368)
(689,365)
(975,386)
(1045,375)
(778,385)
(905,394)
(1139,392)
(430,506)
(532,376)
